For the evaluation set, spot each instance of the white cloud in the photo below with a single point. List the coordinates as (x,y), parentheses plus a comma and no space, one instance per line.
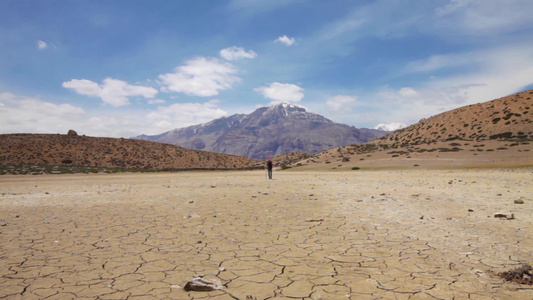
(407,92)
(179,115)
(282,92)
(452,7)
(201,76)
(236,53)
(42,45)
(285,40)
(32,115)
(498,72)
(485,16)
(19,114)
(112,91)
(390,126)
(341,103)
(156,101)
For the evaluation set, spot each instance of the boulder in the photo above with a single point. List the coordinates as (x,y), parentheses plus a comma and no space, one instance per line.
(203,285)
(71,132)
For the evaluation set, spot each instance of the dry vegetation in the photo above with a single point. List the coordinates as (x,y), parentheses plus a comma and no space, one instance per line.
(49,153)
(490,134)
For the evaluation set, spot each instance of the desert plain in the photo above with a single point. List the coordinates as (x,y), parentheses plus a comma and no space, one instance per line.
(329,234)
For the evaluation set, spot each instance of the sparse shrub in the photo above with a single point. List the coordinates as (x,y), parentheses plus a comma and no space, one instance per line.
(356,168)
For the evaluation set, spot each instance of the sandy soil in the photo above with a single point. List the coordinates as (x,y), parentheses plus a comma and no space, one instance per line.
(405,234)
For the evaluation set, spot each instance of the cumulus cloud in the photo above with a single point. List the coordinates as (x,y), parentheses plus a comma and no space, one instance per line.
(390,126)
(114,92)
(281,92)
(407,92)
(42,45)
(201,76)
(236,53)
(341,103)
(285,40)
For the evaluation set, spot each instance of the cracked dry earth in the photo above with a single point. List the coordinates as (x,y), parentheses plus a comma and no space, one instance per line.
(305,235)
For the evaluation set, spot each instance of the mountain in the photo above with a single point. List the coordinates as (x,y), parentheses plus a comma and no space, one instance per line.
(497,133)
(267,132)
(72,151)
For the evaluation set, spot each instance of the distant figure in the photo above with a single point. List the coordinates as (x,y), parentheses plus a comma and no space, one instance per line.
(269,167)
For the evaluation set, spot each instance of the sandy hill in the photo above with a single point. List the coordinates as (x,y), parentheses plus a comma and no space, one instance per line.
(74,150)
(496,133)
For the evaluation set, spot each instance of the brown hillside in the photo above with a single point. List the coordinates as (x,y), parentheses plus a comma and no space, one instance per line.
(496,133)
(507,118)
(71,149)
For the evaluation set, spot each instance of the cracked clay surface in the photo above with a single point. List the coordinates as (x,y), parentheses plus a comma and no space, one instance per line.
(305,235)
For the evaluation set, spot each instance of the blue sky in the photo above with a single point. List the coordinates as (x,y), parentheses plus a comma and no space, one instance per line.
(124,68)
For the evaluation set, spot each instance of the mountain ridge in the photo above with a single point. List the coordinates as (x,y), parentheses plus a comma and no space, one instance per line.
(267,132)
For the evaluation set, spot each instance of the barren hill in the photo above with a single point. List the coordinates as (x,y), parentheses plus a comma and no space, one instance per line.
(74,150)
(507,118)
(496,133)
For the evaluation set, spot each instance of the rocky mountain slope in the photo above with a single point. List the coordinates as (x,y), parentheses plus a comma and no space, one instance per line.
(508,118)
(489,134)
(267,132)
(74,150)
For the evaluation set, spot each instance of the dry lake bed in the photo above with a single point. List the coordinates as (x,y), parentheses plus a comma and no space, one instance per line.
(414,234)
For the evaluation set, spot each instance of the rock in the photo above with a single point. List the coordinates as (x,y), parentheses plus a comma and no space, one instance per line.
(501,215)
(71,132)
(470,210)
(315,220)
(190,201)
(519,201)
(521,275)
(203,285)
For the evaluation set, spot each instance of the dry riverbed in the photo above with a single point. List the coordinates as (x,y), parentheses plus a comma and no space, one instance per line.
(414,234)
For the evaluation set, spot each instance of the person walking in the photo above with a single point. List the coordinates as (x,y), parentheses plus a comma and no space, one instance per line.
(269,168)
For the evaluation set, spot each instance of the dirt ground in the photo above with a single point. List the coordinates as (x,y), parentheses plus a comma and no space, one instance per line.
(403,234)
